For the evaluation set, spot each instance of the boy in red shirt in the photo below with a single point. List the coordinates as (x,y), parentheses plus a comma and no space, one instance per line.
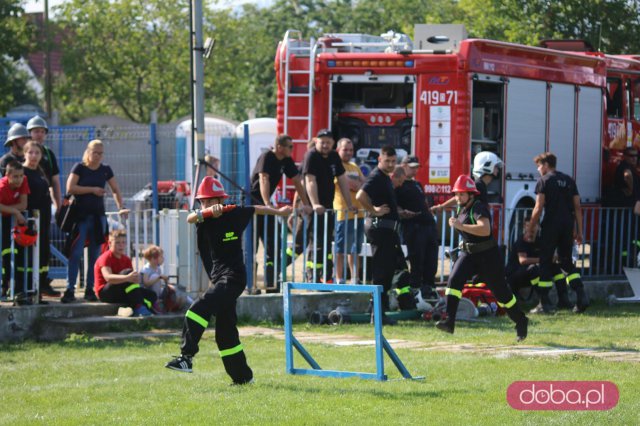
(13,200)
(117,282)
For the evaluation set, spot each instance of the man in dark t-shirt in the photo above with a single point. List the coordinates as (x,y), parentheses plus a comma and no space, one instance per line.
(622,229)
(379,199)
(625,179)
(266,176)
(557,195)
(321,165)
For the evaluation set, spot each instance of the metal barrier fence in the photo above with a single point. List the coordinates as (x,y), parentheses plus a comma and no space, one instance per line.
(128,151)
(141,232)
(19,263)
(299,231)
(610,242)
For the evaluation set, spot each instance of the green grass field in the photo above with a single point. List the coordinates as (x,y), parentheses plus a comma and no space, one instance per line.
(83,381)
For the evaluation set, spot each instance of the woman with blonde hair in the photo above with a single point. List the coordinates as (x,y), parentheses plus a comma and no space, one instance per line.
(87,182)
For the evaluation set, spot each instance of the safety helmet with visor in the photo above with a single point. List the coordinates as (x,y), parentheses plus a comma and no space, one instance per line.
(485,162)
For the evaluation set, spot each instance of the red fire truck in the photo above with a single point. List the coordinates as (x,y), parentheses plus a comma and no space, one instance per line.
(445,98)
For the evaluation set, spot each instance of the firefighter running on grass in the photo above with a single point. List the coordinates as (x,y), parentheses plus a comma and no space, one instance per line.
(219,229)
(480,255)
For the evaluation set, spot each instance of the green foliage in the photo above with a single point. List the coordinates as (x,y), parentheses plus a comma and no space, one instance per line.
(89,381)
(125,56)
(15,41)
(613,25)
(15,33)
(129,57)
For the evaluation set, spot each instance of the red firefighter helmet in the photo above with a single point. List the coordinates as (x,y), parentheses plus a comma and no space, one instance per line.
(24,236)
(464,183)
(210,187)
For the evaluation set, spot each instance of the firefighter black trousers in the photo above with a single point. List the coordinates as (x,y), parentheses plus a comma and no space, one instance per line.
(529,275)
(558,238)
(490,269)
(385,244)
(132,294)
(220,301)
(18,261)
(523,277)
(422,251)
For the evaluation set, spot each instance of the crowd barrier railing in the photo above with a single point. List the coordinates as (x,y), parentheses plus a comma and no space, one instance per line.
(610,242)
(20,265)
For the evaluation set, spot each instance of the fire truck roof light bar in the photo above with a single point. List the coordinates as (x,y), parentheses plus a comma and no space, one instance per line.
(363,44)
(369,63)
(382,78)
(429,51)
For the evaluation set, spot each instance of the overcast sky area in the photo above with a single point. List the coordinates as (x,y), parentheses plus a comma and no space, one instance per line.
(32,6)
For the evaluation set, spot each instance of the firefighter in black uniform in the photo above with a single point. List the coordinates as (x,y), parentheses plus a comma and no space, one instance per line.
(378,198)
(480,255)
(418,230)
(621,225)
(221,252)
(558,195)
(268,171)
(523,269)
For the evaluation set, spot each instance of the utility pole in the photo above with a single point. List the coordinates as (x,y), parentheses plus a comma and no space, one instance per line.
(48,78)
(198,90)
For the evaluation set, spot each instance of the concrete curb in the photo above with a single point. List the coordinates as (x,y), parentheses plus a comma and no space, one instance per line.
(56,321)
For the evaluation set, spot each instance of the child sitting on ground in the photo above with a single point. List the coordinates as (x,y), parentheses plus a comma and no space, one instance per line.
(170,299)
(117,282)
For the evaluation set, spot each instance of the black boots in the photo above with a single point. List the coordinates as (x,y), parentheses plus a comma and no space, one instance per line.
(448,325)
(545,306)
(563,295)
(582,302)
(522,322)
(68,297)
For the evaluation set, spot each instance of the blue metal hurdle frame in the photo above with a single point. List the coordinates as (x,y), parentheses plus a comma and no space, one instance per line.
(316,370)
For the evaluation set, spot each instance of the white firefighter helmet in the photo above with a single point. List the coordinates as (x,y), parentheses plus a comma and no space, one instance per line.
(484,163)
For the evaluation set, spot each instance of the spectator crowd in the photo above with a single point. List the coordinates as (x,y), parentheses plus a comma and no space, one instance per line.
(336,205)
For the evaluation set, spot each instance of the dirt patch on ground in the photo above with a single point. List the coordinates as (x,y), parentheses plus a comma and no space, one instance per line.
(498,351)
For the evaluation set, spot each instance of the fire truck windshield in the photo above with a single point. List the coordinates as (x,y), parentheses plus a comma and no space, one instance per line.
(373,114)
(372,96)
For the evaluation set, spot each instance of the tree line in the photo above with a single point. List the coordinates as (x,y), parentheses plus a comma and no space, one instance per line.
(130,57)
